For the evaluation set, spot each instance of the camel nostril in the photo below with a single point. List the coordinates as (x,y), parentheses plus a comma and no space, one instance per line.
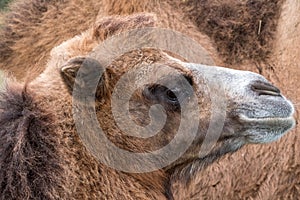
(264,88)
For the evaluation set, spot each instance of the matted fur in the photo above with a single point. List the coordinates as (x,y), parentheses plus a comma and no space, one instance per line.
(31,166)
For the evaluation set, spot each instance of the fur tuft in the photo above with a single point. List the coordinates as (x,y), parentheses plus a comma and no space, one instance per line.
(29,164)
(113,25)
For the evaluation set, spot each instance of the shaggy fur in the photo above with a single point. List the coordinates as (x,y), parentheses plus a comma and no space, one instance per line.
(241,30)
(28,152)
(233,27)
(30,24)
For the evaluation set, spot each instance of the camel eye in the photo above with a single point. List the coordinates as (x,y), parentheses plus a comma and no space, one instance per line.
(171,96)
(158,94)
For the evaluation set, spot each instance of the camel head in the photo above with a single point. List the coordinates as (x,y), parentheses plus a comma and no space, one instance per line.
(230,107)
(156,106)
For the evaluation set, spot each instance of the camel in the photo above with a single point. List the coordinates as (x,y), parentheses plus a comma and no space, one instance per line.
(13,56)
(44,109)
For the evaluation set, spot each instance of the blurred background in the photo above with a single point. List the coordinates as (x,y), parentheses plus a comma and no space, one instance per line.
(3,4)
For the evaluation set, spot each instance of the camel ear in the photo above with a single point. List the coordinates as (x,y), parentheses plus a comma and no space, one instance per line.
(91,69)
(108,26)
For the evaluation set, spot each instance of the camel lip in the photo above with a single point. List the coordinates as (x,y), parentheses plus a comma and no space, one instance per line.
(265,118)
(269,120)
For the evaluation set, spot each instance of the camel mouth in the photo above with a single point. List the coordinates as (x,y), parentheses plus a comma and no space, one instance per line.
(265,130)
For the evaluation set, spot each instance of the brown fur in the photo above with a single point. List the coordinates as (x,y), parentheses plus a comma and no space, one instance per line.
(45,160)
(36,17)
(214,182)
(234,26)
(29,153)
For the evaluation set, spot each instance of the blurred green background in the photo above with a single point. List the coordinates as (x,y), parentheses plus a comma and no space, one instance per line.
(3,4)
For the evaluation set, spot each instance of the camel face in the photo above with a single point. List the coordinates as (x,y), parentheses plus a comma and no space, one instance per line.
(214,110)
